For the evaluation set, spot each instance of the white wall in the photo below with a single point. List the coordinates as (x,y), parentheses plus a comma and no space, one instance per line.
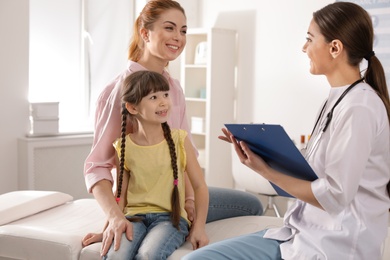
(14,17)
(274,83)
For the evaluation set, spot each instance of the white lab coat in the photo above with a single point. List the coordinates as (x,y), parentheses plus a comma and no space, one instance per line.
(352,161)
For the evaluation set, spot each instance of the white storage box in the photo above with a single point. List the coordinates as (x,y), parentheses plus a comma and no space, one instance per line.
(44,110)
(44,126)
(197,125)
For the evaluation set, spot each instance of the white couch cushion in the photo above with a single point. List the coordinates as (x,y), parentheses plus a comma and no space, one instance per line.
(55,233)
(19,204)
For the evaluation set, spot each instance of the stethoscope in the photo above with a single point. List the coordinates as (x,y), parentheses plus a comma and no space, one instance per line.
(313,144)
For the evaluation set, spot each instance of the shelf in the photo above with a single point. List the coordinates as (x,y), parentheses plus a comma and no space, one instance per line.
(203,84)
(197,133)
(191,99)
(196,66)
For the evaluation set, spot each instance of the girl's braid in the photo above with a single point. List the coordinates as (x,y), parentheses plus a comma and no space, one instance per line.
(175,201)
(122,155)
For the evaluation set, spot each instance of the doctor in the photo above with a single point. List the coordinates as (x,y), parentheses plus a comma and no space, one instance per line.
(344,213)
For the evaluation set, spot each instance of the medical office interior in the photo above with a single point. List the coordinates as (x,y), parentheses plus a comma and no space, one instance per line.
(65,51)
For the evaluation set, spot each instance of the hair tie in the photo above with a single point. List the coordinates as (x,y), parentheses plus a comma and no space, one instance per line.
(117,199)
(369,55)
(175,182)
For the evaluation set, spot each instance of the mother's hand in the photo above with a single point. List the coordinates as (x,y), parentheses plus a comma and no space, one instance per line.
(113,233)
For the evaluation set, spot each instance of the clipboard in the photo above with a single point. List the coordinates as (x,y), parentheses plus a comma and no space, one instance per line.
(273,144)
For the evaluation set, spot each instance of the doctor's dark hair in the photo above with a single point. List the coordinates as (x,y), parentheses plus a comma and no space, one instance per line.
(146,19)
(352,25)
(135,87)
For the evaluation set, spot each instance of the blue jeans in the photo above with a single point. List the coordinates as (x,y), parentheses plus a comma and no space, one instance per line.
(228,203)
(153,238)
(246,247)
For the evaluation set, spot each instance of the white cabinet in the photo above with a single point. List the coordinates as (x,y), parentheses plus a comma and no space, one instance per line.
(54,163)
(208,80)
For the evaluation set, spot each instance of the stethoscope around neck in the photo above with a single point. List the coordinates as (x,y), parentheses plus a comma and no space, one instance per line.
(312,145)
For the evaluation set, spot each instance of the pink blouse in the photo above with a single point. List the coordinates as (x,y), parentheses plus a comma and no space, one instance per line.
(101,159)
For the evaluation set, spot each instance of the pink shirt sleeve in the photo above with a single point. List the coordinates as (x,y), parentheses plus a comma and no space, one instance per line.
(101,159)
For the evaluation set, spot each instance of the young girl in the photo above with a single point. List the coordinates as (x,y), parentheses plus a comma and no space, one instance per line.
(152,162)
(344,213)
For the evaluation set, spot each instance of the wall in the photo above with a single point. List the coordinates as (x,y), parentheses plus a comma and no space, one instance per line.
(14,17)
(274,83)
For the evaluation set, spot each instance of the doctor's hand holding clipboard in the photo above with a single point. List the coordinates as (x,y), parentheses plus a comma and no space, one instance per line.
(284,184)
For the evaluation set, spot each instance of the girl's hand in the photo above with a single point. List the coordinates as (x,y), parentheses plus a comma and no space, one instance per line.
(198,238)
(91,238)
(190,209)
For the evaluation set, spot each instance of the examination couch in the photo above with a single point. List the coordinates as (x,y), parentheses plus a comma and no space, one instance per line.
(40,225)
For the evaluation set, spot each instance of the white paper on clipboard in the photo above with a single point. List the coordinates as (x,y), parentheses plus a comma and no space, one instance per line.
(272,143)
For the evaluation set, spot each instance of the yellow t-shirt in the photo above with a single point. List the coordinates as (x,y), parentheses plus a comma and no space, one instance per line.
(151,175)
